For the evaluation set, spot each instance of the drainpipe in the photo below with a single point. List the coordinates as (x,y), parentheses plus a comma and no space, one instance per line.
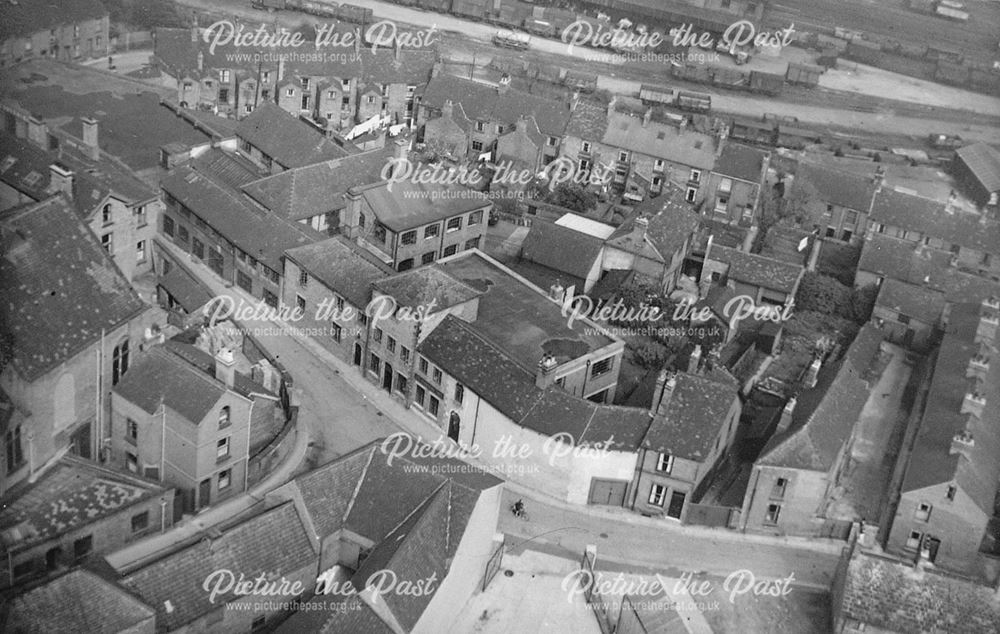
(163,515)
(246,464)
(745,512)
(475,420)
(100,398)
(163,440)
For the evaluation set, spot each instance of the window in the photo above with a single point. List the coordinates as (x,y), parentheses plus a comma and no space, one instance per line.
(472,244)
(665,463)
(243,281)
(692,193)
(477,146)
(140,522)
(265,77)
(410,237)
(923,512)
(224,417)
(290,92)
(378,232)
(480,126)
(476,217)
(914,539)
(459,393)
(270,274)
(657,494)
(119,362)
(222,448)
(106,243)
(436,375)
(340,303)
(225,479)
(951,492)
(224,76)
(374,363)
(168,226)
(695,176)
(140,251)
(405,265)
(83,546)
(305,83)
(450,250)
(345,103)
(390,344)
(432,405)
(400,383)
(345,84)
(377,335)
(198,248)
(725,185)
(778,490)
(432,231)
(658,165)
(773,512)
(132,462)
(303,279)
(850,218)
(846,236)
(427,258)
(454,224)
(336,331)
(404,354)
(370,99)
(601,367)
(585,147)
(139,215)
(903,319)
(106,213)
(131,431)
(420,395)
(300,303)
(552,141)
(15,452)
(831,232)
(623,156)
(423,365)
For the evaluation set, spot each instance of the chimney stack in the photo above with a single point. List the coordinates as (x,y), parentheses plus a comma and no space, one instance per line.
(989,321)
(60,180)
(546,367)
(448,109)
(574,101)
(225,366)
(962,443)
(646,116)
(695,360)
(201,61)
(194,34)
(812,374)
(979,366)
(786,416)
(973,403)
(666,383)
(90,133)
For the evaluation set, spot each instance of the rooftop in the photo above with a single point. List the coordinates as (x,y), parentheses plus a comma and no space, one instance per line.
(24,166)
(758,270)
(669,224)
(586,225)
(588,121)
(917,302)
(31,16)
(71,494)
(741,162)
(286,139)
(562,248)
(342,266)
(60,289)
(937,220)
(660,140)
(688,423)
(426,286)
(984,162)
(521,319)
(840,187)
(408,205)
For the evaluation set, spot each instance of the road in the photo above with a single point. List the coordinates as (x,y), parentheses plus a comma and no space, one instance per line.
(464,40)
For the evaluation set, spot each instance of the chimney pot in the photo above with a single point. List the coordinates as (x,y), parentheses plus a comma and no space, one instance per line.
(225,366)
(60,180)
(90,134)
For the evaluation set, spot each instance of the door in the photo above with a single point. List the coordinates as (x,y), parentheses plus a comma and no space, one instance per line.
(80,442)
(387,378)
(454,426)
(204,492)
(357,354)
(676,505)
(607,492)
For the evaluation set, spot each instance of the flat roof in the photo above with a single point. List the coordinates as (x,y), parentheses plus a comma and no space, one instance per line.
(586,225)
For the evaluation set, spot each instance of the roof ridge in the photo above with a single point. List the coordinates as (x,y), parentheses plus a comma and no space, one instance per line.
(357,485)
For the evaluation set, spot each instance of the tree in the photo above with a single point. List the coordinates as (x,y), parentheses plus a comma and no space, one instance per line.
(650,355)
(573,196)
(863,302)
(824,294)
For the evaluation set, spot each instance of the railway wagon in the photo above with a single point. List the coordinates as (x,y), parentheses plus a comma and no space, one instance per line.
(316,7)
(803,74)
(652,95)
(440,6)
(766,83)
(354,13)
(473,9)
(512,13)
(536,26)
(694,101)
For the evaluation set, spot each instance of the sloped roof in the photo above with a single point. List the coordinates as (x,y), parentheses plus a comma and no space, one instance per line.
(660,140)
(227,167)
(421,286)
(26,17)
(407,205)
(758,270)
(71,494)
(984,162)
(918,302)
(78,602)
(286,139)
(342,266)
(561,248)
(162,377)
(741,162)
(688,423)
(185,289)
(669,223)
(824,416)
(24,166)
(588,120)
(931,460)
(932,218)
(271,543)
(837,186)
(59,289)
(890,595)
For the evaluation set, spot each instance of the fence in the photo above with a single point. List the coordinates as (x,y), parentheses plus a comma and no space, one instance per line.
(255,352)
(493,564)
(628,620)
(713,516)
(262,462)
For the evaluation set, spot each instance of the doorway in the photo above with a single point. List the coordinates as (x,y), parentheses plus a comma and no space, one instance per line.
(454,426)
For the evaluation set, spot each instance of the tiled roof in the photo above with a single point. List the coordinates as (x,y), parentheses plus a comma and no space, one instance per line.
(78,602)
(660,140)
(185,289)
(588,121)
(205,363)
(27,17)
(689,422)
(262,235)
(561,248)
(932,461)
(312,190)
(917,302)
(984,162)
(71,494)
(226,167)
(483,102)
(286,139)
(741,162)
(758,270)
(824,416)
(894,597)
(421,286)
(408,205)
(342,266)
(271,543)
(387,66)
(670,221)
(24,166)
(932,218)
(59,289)
(164,378)
(836,186)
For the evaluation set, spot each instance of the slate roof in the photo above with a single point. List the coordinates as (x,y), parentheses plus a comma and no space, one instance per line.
(31,16)
(271,543)
(204,362)
(226,167)
(78,602)
(824,416)
(918,302)
(984,162)
(741,162)
(408,205)
(895,597)
(670,222)
(836,186)
(688,423)
(758,270)
(588,120)
(24,166)
(483,102)
(71,494)
(419,287)
(342,266)
(931,218)
(660,140)
(161,377)
(59,289)
(931,461)
(262,235)
(286,139)
(185,289)
(312,190)
(561,248)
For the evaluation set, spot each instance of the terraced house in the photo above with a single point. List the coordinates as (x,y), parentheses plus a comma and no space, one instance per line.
(68,31)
